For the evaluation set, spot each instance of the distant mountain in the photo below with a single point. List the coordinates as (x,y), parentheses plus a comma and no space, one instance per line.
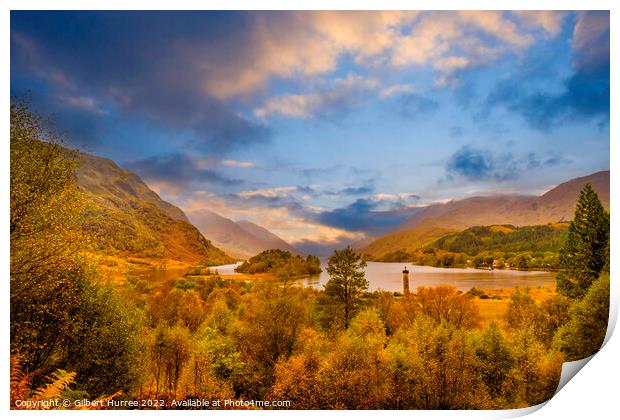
(239,239)
(437,220)
(127,219)
(271,240)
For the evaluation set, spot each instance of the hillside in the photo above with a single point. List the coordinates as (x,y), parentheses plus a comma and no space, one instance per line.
(435,221)
(502,246)
(127,219)
(504,238)
(239,239)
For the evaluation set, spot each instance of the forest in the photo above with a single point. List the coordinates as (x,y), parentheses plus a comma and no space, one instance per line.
(280,263)
(498,246)
(200,336)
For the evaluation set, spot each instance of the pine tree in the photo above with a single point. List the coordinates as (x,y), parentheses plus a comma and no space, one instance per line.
(347,280)
(585,252)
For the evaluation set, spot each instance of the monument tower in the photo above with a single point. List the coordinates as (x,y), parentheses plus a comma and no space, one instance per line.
(405,281)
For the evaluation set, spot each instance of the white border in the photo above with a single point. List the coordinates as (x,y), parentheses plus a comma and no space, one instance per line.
(593,395)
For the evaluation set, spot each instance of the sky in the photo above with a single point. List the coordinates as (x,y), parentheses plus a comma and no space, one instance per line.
(324,127)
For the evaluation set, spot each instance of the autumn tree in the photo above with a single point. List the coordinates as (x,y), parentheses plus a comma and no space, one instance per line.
(555,314)
(355,370)
(404,366)
(169,354)
(522,310)
(347,281)
(46,276)
(200,378)
(446,303)
(536,371)
(544,318)
(62,317)
(177,306)
(584,334)
(45,202)
(448,378)
(106,346)
(268,330)
(298,378)
(585,251)
(220,315)
(495,362)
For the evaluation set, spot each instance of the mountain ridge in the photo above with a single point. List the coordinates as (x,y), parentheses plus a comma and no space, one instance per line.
(242,239)
(126,219)
(436,220)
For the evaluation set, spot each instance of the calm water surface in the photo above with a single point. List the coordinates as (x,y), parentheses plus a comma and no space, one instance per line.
(388,276)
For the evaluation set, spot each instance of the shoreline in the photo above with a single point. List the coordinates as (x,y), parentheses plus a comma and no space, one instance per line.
(467,267)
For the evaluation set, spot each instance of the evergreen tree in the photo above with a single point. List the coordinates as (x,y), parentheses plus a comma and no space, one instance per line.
(584,254)
(347,280)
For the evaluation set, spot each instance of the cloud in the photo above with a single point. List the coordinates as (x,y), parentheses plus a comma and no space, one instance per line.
(451,42)
(585,94)
(288,211)
(413,105)
(474,164)
(588,88)
(175,171)
(497,24)
(85,103)
(187,71)
(293,195)
(268,45)
(269,193)
(364,216)
(477,164)
(396,90)
(451,64)
(292,225)
(549,20)
(325,249)
(342,95)
(137,63)
(80,126)
(535,162)
(272,46)
(591,40)
(398,199)
(293,198)
(363,190)
(237,163)
(271,43)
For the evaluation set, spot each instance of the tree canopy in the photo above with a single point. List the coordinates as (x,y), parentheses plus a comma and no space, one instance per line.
(584,254)
(281,263)
(347,280)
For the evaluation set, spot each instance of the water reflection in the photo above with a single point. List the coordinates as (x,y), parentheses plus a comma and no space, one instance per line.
(388,276)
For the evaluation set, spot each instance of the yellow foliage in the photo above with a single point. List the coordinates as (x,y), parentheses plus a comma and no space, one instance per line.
(501,229)
(53,390)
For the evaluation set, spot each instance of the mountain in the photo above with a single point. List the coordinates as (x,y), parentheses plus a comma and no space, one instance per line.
(239,239)
(437,220)
(127,219)
(271,240)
